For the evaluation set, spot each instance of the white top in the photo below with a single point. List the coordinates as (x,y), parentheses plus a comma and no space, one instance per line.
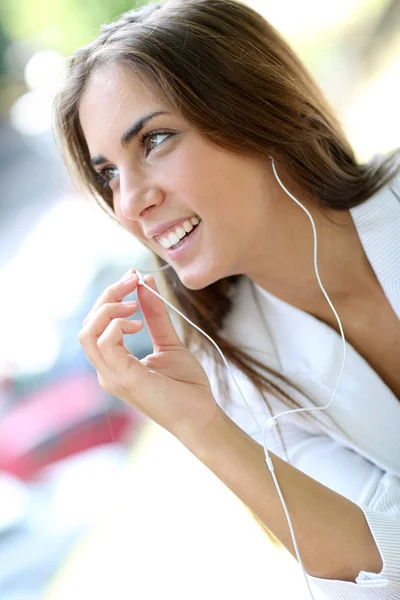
(359,455)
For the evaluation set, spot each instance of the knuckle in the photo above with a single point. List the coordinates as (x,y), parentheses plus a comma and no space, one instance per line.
(106,309)
(106,306)
(107,386)
(102,342)
(116,323)
(102,383)
(102,310)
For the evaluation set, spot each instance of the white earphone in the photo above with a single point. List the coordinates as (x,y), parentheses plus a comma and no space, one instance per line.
(272,421)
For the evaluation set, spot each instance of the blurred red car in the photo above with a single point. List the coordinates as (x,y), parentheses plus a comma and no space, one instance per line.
(59,420)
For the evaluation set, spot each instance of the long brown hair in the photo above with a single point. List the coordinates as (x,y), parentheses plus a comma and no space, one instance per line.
(231,75)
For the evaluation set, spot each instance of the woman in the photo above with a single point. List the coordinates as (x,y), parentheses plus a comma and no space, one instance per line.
(175,118)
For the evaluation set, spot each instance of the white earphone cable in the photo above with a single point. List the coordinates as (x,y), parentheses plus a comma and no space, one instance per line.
(271,422)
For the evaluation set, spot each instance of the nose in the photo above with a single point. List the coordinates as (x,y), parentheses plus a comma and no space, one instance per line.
(138,196)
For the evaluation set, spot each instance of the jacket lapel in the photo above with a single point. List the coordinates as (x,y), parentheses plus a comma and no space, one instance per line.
(378,224)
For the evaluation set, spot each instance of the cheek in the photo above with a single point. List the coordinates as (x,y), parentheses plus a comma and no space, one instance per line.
(130,226)
(193,171)
(151,244)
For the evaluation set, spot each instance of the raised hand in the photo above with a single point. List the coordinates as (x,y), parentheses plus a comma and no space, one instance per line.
(169,386)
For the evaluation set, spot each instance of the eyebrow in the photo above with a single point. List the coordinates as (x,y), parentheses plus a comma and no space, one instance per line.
(129,134)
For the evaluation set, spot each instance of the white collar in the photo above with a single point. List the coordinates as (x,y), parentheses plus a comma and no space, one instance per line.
(377,221)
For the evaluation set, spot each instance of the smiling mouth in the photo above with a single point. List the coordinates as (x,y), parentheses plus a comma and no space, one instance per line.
(183,239)
(180,233)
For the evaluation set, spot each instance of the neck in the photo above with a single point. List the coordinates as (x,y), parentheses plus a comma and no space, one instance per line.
(343,267)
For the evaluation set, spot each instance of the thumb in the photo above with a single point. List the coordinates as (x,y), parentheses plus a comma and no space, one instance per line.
(155,314)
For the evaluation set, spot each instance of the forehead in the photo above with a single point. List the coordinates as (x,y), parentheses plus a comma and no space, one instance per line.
(112,101)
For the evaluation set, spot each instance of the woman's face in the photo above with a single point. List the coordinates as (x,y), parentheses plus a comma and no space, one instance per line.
(165,172)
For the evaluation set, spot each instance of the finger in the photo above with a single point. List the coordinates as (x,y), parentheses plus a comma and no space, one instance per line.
(96,324)
(157,319)
(114,293)
(116,355)
(93,329)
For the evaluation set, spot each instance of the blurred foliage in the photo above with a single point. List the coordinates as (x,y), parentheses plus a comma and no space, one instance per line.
(62,25)
(4,41)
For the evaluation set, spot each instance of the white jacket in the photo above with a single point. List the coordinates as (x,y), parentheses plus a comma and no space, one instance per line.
(360,457)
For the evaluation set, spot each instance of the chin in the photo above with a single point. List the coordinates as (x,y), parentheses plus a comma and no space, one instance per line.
(198,280)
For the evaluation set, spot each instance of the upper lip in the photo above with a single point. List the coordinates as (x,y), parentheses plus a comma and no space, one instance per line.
(163,227)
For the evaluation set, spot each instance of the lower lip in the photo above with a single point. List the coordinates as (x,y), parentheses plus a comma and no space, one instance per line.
(189,240)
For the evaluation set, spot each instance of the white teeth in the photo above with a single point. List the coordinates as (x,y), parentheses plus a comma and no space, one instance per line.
(164,243)
(180,231)
(187,225)
(173,238)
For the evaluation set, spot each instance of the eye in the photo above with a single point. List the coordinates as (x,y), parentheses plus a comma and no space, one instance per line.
(106,174)
(148,139)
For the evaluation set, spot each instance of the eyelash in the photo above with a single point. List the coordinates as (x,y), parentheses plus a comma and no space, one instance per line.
(100,175)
